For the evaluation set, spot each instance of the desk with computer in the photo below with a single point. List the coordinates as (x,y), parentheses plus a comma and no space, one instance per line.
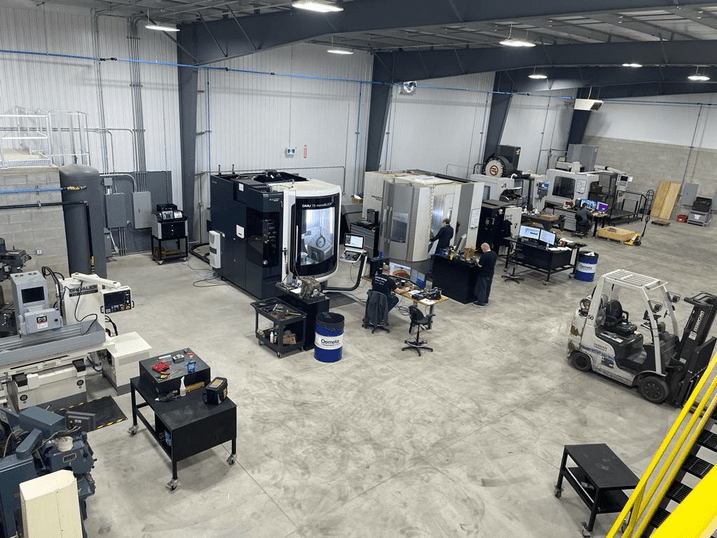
(541,250)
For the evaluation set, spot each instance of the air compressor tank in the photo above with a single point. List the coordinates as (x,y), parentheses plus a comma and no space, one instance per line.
(84,222)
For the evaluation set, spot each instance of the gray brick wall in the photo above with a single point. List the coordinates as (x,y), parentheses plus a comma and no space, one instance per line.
(33,228)
(649,163)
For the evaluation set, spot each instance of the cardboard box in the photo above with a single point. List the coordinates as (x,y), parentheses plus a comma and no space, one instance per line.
(616,234)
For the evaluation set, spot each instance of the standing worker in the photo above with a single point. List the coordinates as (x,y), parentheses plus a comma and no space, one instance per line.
(486,262)
(444,236)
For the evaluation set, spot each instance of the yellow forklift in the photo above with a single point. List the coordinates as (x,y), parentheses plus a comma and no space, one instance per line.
(651,357)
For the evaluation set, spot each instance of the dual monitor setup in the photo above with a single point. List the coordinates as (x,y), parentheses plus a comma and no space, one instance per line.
(537,234)
(398,271)
(592,205)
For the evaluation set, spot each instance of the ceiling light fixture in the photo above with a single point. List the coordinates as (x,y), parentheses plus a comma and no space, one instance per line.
(517,43)
(317,7)
(151,25)
(537,76)
(338,50)
(632,64)
(696,77)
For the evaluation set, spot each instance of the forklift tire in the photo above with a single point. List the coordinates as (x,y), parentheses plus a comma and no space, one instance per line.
(654,389)
(580,361)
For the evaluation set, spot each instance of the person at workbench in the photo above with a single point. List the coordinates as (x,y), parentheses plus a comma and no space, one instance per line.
(385,284)
(444,236)
(582,220)
(486,262)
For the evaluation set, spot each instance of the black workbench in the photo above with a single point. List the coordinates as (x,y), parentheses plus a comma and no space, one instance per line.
(541,258)
(598,476)
(456,278)
(186,425)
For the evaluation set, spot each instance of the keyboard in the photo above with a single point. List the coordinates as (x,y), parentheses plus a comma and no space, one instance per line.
(351,256)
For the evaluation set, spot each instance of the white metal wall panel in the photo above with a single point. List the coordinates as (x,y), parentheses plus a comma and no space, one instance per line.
(440,127)
(46,83)
(251,118)
(662,120)
(539,123)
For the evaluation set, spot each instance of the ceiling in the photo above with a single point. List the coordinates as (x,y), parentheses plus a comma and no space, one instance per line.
(670,38)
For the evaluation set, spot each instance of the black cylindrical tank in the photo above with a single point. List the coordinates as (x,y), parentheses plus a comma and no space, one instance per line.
(84,223)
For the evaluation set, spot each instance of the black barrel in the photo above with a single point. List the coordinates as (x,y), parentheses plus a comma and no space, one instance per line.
(84,219)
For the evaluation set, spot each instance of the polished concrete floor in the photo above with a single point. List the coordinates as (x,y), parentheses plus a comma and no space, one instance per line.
(464,441)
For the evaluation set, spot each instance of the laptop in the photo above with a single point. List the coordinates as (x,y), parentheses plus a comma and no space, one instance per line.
(353,247)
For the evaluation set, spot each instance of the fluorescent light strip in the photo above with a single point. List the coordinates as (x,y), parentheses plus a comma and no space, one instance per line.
(317,7)
(699,78)
(511,42)
(161,28)
(632,65)
(538,76)
(339,51)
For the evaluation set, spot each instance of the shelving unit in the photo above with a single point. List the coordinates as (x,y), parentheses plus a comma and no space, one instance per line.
(283,318)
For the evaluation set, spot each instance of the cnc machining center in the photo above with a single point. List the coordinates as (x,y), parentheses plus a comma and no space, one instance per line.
(272,225)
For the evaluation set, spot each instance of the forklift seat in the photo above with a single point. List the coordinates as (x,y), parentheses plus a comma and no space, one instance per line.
(617,320)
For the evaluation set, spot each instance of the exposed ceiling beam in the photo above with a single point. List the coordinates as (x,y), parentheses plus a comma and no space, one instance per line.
(281,28)
(410,65)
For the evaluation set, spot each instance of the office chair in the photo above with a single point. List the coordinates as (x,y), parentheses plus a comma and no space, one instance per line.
(418,320)
(582,227)
(376,313)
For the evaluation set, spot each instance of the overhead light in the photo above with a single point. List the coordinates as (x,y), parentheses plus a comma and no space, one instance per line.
(161,27)
(318,7)
(632,65)
(339,50)
(537,76)
(587,104)
(514,42)
(696,77)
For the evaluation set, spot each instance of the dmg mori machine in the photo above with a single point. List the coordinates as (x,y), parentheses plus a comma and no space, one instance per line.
(270,225)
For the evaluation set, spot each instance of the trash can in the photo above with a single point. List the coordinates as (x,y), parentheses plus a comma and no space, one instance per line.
(587,264)
(329,337)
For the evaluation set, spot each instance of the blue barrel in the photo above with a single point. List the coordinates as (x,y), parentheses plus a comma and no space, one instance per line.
(587,264)
(329,337)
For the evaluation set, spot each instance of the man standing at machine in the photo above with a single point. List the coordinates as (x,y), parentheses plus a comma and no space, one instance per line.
(444,236)
(486,262)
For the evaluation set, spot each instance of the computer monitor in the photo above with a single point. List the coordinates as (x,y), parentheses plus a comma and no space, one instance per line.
(418,278)
(528,232)
(589,204)
(399,271)
(547,237)
(602,207)
(353,241)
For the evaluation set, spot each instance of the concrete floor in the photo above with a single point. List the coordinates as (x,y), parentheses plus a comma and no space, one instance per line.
(465,441)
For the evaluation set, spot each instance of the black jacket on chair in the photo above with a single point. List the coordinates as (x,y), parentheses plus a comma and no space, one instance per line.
(376,314)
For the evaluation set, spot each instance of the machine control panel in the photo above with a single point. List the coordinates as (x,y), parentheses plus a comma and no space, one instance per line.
(117,300)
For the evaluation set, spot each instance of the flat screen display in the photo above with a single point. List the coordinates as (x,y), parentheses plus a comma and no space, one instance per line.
(529,232)
(399,271)
(33,295)
(602,207)
(353,241)
(417,278)
(589,204)
(547,237)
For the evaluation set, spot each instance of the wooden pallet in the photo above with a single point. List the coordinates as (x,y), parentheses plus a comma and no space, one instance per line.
(660,222)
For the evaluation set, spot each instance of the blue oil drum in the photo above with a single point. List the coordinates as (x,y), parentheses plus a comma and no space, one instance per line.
(587,264)
(329,337)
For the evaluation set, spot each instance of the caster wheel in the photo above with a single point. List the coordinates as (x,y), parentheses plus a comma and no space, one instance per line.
(132,430)
(545,283)
(231,460)
(558,493)
(173,484)
(160,262)
(585,531)
(278,354)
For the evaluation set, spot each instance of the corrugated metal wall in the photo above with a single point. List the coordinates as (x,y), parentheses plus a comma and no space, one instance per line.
(539,124)
(436,128)
(99,89)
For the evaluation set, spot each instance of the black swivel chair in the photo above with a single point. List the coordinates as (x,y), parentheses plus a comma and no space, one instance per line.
(419,321)
(617,320)
(582,226)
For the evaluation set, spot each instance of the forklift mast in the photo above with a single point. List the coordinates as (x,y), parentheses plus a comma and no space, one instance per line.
(694,350)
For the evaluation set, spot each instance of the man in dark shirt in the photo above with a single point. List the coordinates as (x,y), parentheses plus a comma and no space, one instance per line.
(486,262)
(386,285)
(582,220)
(444,236)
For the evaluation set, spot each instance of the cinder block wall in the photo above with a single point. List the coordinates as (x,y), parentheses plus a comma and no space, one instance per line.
(649,163)
(33,228)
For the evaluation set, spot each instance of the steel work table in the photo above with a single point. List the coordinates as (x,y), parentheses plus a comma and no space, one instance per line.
(190,425)
(599,478)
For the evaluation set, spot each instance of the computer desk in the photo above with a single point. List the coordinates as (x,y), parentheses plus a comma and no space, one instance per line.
(430,303)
